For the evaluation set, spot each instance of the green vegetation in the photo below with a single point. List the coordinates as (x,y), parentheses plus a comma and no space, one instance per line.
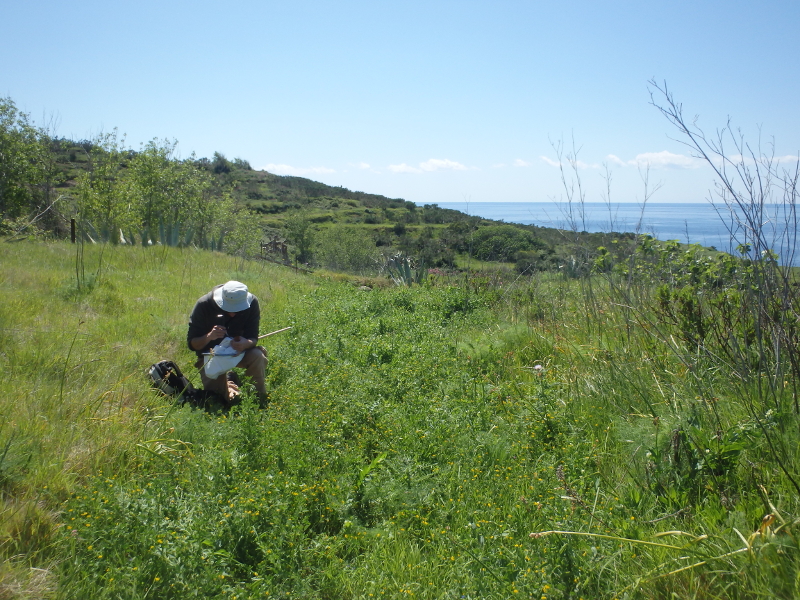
(467,437)
(149,196)
(618,417)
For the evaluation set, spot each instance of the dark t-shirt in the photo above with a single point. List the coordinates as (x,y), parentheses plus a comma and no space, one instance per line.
(207,313)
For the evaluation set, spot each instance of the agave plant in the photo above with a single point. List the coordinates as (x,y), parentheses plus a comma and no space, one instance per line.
(403,271)
(170,234)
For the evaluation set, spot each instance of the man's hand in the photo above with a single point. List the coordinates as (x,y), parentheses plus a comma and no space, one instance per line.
(217,332)
(240,344)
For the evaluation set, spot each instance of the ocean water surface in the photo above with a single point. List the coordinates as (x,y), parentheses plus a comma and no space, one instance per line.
(694,223)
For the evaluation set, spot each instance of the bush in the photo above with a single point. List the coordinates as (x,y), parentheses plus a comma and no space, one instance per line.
(220,164)
(342,248)
(503,242)
(530,261)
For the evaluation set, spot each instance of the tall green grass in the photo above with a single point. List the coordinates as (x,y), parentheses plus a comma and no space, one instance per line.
(465,439)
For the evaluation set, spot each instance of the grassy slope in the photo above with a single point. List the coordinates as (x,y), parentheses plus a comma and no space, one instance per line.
(273,198)
(410,447)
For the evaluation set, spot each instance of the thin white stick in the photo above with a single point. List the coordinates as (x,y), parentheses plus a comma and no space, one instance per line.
(261,337)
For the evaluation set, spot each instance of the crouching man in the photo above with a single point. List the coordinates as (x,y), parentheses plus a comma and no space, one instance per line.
(228,310)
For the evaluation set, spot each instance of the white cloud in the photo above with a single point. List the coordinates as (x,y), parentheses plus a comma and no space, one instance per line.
(362,166)
(580,164)
(437,164)
(433,164)
(290,170)
(658,160)
(550,161)
(404,168)
(521,163)
(666,160)
(761,161)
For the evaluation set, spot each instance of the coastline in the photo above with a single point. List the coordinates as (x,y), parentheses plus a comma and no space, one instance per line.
(688,222)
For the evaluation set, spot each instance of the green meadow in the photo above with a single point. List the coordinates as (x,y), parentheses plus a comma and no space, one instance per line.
(546,436)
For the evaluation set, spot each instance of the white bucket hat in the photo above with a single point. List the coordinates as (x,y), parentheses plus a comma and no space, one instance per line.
(233,297)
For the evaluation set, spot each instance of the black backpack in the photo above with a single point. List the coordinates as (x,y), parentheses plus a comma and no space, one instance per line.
(166,377)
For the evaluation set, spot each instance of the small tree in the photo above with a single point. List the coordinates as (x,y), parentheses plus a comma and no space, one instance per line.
(151,183)
(220,164)
(342,248)
(758,197)
(760,343)
(171,198)
(503,242)
(101,200)
(23,154)
(244,233)
(301,234)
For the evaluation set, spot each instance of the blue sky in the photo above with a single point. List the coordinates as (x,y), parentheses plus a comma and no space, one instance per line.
(432,101)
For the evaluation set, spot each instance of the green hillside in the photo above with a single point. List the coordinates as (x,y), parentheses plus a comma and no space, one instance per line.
(111,192)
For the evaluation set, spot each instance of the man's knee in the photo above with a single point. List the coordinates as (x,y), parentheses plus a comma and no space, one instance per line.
(256,357)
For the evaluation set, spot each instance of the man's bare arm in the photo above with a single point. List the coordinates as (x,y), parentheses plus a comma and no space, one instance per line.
(217,332)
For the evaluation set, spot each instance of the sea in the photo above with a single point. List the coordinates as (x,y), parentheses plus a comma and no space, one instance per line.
(693,223)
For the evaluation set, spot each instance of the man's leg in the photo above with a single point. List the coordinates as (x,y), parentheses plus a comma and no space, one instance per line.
(219,385)
(254,363)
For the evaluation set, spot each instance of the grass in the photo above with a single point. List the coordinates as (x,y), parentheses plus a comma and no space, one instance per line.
(416,438)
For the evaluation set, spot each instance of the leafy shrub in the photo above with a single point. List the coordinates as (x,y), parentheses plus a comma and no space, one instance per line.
(342,248)
(503,242)
(220,164)
(530,261)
